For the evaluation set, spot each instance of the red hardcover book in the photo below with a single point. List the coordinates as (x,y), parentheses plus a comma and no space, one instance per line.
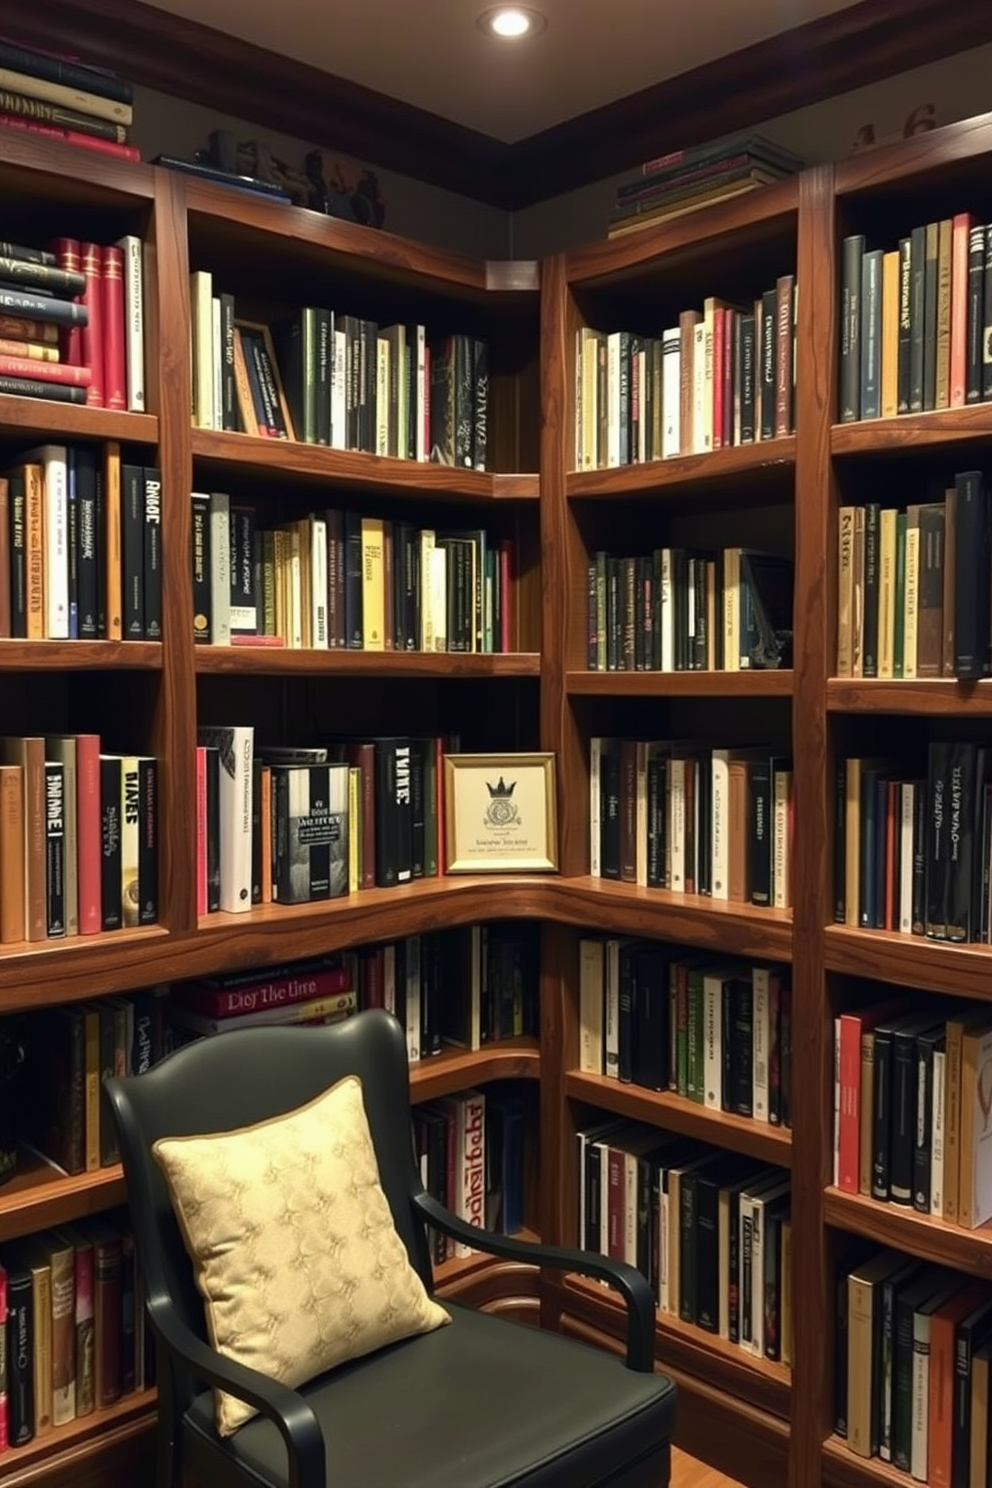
(66,251)
(70,137)
(281,989)
(88,833)
(92,345)
(114,360)
(16,366)
(107,1312)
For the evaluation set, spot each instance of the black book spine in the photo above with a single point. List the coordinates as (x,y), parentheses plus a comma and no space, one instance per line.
(20,1357)
(229,399)
(152,559)
(480,404)
(110,842)
(464,401)
(18,558)
(769,314)
(727,1002)
(905,326)
(902,1382)
(961,808)
(921,805)
(707,1246)
(55,848)
(734,1268)
(917,281)
(418,807)
(971,1333)
(132,552)
(43,307)
(902,1130)
(321,374)
(625,1017)
(200,558)
(881,829)
(971,596)
(594,1196)
(353,618)
(868,826)
(29,387)
(656,822)
(743,1047)
(938,847)
(987,320)
(688,1257)
(747,378)
(840,841)
(882,1114)
(975,324)
(852,255)
(869,649)
(771,1257)
(930,276)
(403,807)
(871,334)
(650,1020)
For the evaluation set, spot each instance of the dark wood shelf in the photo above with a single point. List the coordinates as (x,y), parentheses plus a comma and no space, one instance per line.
(738,464)
(225,453)
(673,1112)
(456,1069)
(910,961)
(45,973)
(66,1447)
(936,696)
(911,432)
(72,656)
(45,418)
(683,1347)
(917,162)
(843,1468)
(752,214)
(679,684)
(711,924)
(281,660)
(52,170)
(460,1267)
(39,1194)
(919,1234)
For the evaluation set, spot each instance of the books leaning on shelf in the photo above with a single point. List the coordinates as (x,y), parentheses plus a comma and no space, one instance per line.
(89,107)
(470,1148)
(683,181)
(909,1094)
(911,1367)
(72,322)
(674,610)
(78,838)
(692,818)
(722,376)
(327,377)
(913,846)
(915,321)
(914,585)
(711,1231)
(718,1033)
(334,580)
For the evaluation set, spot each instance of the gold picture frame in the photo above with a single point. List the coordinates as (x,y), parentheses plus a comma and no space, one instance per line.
(500,813)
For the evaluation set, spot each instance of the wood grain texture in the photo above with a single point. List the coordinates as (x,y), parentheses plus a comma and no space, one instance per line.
(50,170)
(59,656)
(932,697)
(39,1195)
(917,160)
(917,1234)
(812,1083)
(65,1455)
(41,416)
(455,1069)
(680,684)
(842,1468)
(772,1144)
(276,661)
(910,432)
(910,961)
(688,919)
(689,1472)
(736,466)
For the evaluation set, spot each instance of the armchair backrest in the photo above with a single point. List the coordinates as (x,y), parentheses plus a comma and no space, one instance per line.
(237,1079)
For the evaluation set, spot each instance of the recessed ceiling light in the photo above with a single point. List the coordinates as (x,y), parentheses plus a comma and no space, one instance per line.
(511,22)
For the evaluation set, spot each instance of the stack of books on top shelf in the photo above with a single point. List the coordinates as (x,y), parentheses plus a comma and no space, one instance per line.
(61,99)
(72,322)
(915,321)
(724,376)
(913,586)
(912,1368)
(718,1033)
(683,181)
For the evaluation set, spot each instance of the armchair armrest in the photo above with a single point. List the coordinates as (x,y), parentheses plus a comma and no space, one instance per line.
(627,1280)
(289,1412)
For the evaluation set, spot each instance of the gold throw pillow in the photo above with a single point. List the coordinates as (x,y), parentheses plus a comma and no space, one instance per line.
(293,1244)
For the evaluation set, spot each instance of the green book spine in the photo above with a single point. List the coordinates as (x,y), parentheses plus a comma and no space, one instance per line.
(695,1082)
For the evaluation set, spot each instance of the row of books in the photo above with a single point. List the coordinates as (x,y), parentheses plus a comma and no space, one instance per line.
(718,1033)
(710,1231)
(912,1368)
(676,610)
(294,825)
(89,107)
(80,546)
(78,838)
(913,586)
(331,378)
(725,375)
(915,320)
(913,849)
(692,818)
(340,579)
(683,181)
(73,1320)
(462,987)
(470,1150)
(910,1107)
(72,322)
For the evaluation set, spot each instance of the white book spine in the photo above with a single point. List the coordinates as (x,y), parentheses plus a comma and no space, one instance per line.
(439,597)
(937,1138)
(630,1209)
(745,1221)
(577,450)
(782,794)
(761,1041)
(676,832)
(603,1148)
(202,350)
(719,824)
(671,369)
(382,396)
(411,996)
(757,1341)
(712,1042)
(472,1151)
(591,1007)
(423,392)
(235,744)
(667,601)
(318,584)
(217,357)
(220,568)
(613,398)
(134,320)
(426,593)
(130,821)
(641,815)
(595,816)
(611,1065)
(919,1446)
(339,391)
(663,1248)
(908,812)
(295,638)
(56,531)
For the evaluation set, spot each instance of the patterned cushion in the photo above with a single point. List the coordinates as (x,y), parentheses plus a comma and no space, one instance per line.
(293,1244)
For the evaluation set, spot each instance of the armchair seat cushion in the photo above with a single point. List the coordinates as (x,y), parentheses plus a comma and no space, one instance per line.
(423,1412)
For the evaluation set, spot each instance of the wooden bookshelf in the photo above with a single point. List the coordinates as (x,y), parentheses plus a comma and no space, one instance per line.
(725,470)
(38,1195)
(842,1468)
(282,661)
(939,697)
(66,656)
(909,960)
(918,1234)
(680,684)
(909,433)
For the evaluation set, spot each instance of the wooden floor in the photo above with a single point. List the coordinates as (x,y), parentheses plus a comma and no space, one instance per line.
(688,1473)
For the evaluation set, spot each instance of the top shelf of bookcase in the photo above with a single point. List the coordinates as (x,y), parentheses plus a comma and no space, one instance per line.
(47,170)
(917,163)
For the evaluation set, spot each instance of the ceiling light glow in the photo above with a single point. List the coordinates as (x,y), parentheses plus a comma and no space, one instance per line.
(511,22)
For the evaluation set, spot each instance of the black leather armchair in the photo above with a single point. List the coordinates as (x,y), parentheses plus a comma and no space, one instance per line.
(481,1403)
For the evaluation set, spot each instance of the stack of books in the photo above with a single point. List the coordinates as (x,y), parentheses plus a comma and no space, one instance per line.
(685,180)
(61,99)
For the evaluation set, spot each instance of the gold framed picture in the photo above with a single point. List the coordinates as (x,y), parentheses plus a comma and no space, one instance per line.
(500,813)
